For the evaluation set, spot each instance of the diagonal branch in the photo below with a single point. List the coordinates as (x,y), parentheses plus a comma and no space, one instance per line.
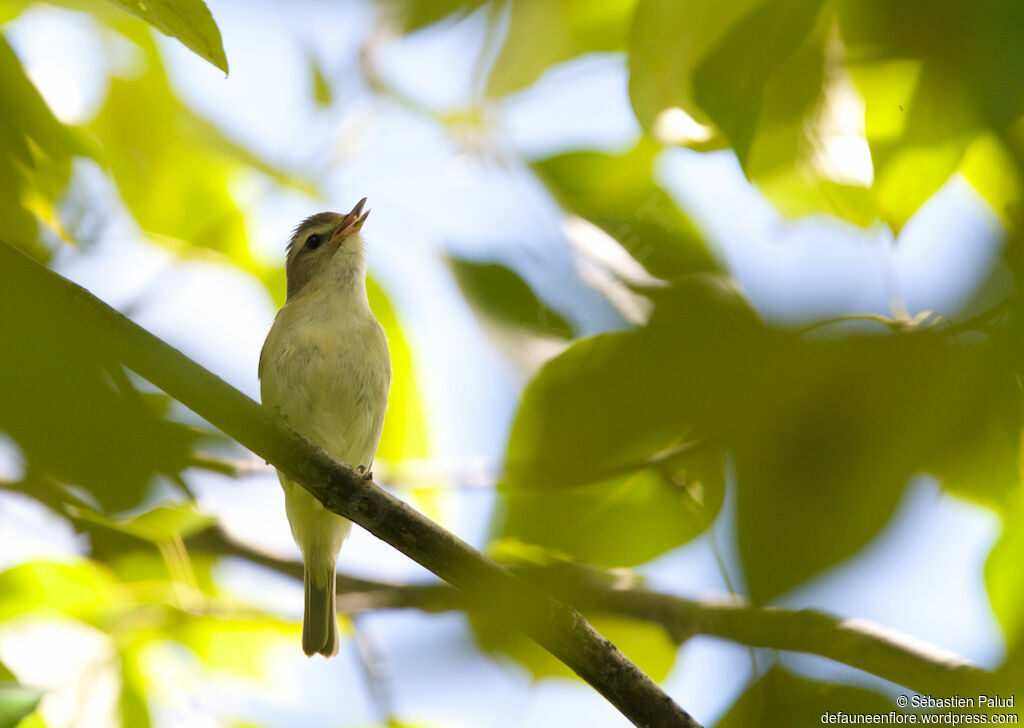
(861,644)
(555,626)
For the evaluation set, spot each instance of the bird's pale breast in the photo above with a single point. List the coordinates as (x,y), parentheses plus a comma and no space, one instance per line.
(328,377)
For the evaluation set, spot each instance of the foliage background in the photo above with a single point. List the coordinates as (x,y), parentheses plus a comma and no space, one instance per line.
(602,233)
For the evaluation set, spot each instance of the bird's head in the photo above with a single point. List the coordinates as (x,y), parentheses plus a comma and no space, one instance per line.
(326,246)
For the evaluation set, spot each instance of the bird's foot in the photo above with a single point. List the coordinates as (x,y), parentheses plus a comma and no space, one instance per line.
(365,472)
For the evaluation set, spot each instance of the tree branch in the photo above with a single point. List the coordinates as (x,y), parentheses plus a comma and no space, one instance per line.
(861,644)
(558,628)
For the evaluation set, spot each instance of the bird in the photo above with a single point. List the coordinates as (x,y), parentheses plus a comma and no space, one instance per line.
(325,370)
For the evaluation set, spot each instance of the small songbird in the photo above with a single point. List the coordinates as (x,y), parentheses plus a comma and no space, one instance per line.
(325,370)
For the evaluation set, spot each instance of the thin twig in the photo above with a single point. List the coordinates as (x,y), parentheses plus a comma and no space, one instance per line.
(896,657)
(885,653)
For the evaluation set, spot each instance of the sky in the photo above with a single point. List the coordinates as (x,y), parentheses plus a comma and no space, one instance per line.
(429,197)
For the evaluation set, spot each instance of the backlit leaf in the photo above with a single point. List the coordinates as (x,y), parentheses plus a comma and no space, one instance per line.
(189,21)
(16,702)
(646,644)
(780,699)
(542,33)
(668,40)
(1002,576)
(35,153)
(159,524)
(413,15)
(81,589)
(405,431)
(617,192)
(501,296)
(75,414)
(584,457)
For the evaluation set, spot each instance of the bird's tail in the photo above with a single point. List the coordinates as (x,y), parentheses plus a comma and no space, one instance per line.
(320,623)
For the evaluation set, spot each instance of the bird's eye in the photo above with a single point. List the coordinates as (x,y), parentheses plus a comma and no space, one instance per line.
(313,241)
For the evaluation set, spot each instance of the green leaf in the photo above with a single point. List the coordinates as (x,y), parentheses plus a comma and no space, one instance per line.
(973,47)
(1002,575)
(74,413)
(16,702)
(646,644)
(617,192)
(159,524)
(774,78)
(160,160)
(834,430)
(412,15)
(825,436)
(230,644)
(175,169)
(321,87)
(405,433)
(501,296)
(993,173)
(585,456)
(189,21)
(81,589)
(933,139)
(35,156)
(931,82)
(760,58)
(781,699)
(668,40)
(542,33)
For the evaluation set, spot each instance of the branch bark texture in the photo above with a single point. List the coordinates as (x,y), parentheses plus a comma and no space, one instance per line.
(486,585)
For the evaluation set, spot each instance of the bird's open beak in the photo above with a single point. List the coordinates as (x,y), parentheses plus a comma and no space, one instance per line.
(352,222)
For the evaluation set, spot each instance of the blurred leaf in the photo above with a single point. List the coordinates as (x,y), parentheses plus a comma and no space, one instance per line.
(973,47)
(16,702)
(646,644)
(32,720)
(933,76)
(783,700)
(991,170)
(1002,576)
(934,137)
(35,154)
(834,430)
(500,295)
(416,14)
(230,644)
(74,413)
(773,77)
(797,192)
(762,77)
(786,110)
(321,87)
(138,566)
(667,41)
(405,432)
(582,476)
(80,589)
(159,524)
(174,168)
(542,33)
(618,194)
(134,708)
(1010,675)
(825,436)
(158,156)
(189,21)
